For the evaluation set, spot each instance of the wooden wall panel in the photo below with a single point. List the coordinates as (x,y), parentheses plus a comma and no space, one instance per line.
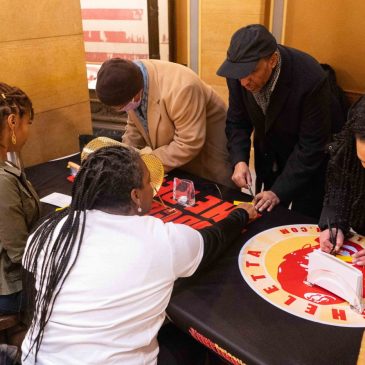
(51,70)
(181,27)
(55,133)
(218,21)
(333,32)
(25,19)
(43,53)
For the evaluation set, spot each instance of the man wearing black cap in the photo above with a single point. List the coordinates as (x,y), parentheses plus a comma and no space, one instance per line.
(283,95)
(171,111)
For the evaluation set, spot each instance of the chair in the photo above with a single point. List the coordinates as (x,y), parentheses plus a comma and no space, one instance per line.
(12,333)
(7,321)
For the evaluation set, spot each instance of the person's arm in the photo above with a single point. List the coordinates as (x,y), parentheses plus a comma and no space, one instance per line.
(328,214)
(132,136)
(187,111)
(193,250)
(331,214)
(13,227)
(334,194)
(238,125)
(308,155)
(238,132)
(221,235)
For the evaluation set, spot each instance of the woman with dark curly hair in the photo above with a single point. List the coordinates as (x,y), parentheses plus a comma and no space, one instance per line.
(19,205)
(343,207)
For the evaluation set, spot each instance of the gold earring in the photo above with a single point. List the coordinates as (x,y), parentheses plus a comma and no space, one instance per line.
(13,138)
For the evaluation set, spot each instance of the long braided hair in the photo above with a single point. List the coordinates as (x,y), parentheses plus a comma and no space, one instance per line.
(345,189)
(105,180)
(14,100)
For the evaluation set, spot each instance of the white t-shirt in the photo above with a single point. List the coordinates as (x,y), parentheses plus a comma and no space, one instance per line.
(113,303)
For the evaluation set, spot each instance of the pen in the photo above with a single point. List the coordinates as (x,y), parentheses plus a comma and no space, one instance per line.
(333,236)
(250,190)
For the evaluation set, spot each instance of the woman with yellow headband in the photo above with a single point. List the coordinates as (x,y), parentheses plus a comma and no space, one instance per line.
(104,271)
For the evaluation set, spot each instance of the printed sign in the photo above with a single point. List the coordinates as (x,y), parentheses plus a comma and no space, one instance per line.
(274,264)
(206,210)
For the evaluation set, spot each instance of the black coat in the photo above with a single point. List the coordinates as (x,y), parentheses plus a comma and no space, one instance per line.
(294,131)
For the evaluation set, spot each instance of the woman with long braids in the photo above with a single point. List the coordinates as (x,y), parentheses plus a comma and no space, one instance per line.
(104,270)
(345,196)
(19,204)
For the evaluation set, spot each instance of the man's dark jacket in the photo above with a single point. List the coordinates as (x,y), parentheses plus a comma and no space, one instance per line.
(294,131)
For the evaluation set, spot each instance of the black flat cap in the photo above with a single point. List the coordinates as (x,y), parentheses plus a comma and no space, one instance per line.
(248,45)
(118,81)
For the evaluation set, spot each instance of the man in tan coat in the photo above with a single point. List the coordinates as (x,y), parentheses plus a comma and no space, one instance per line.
(170,110)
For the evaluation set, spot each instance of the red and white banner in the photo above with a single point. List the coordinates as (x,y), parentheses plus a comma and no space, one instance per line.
(119,28)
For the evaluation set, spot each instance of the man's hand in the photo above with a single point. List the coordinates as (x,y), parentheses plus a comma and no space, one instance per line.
(249,208)
(266,200)
(241,175)
(325,243)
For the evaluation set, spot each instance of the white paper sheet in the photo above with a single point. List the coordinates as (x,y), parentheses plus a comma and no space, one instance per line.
(57,199)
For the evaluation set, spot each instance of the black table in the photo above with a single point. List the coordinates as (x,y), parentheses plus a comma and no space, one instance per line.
(223,309)
(221,306)
(50,177)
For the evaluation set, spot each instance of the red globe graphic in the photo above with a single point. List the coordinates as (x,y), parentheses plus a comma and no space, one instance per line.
(293,270)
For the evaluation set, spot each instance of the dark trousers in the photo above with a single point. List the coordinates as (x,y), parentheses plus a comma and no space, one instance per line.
(12,303)
(178,348)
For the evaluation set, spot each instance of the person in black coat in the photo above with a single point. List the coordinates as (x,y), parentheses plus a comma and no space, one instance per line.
(283,95)
(343,207)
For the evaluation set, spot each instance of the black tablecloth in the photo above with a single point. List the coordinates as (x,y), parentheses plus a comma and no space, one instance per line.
(223,308)
(50,177)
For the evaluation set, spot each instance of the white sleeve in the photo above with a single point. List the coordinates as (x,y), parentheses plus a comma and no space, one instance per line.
(187,248)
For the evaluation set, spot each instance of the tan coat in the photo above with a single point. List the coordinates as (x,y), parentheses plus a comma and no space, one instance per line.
(186,123)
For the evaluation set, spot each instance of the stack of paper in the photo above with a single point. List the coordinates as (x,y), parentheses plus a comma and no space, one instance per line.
(336,276)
